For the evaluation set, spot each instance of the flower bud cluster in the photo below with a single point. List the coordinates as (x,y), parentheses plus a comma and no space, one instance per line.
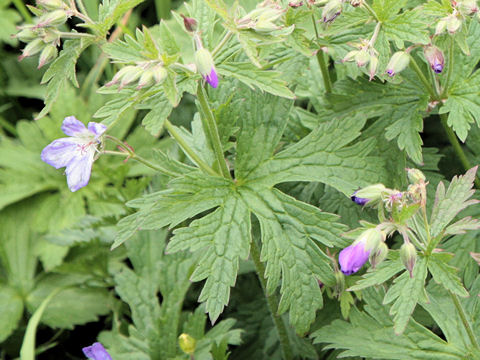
(144,74)
(42,37)
(263,18)
(453,22)
(364,54)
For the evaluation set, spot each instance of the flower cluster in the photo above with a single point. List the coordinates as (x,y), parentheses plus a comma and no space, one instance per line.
(146,73)
(77,152)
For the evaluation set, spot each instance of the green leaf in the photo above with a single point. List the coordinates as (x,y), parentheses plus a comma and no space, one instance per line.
(223,237)
(11,311)
(386,9)
(405,293)
(445,275)
(8,20)
(61,70)
(109,12)
(448,204)
(382,273)
(408,26)
(370,334)
(255,78)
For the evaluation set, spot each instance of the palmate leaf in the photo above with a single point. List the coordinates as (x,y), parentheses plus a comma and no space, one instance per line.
(445,274)
(370,333)
(109,12)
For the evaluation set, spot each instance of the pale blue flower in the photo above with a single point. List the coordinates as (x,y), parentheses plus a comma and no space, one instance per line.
(96,352)
(76,152)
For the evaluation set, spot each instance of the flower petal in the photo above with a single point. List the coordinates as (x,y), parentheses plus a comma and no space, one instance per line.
(78,170)
(59,152)
(352,258)
(72,127)
(96,352)
(96,128)
(212,78)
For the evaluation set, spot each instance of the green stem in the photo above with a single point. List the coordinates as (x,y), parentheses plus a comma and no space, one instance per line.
(134,156)
(422,78)
(465,321)
(370,10)
(322,63)
(375,34)
(451,50)
(272,302)
(188,150)
(211,130)
(68,35)
(22,9)
(225,39)
(457,147)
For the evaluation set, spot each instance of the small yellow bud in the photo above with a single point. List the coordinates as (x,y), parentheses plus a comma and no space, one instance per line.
(187,343)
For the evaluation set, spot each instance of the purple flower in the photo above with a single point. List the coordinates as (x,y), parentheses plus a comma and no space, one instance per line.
(435,58)
(353,257)
(75,152)
(358,200)
(212,78)
(206,66)
(96,352)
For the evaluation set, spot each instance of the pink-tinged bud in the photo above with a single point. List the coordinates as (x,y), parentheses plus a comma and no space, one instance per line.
(435,58)
(189,23)
(415,176)
(467,7)
(51,4)
(159,74)
(397,63)
(356,3)
(378,255)
(32,48)
(146,79)
(441,26)
(331,10)
(408,254)
(49,53)
(453,23)
(26,35)
(133,74)
(362,58)
(373,67)
(206,67)
(120,74)
(54,18)
(350,55)
(295,4)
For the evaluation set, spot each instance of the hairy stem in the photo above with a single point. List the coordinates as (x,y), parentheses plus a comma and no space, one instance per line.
(375,34)
(466,324)
(422,78)
(222,43)
(327,82)
(272,302)
(211,130)
(188,150)
(457,147)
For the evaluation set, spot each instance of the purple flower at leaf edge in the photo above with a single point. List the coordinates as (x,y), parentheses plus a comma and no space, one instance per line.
(76,153)
(212,78)
(438,68)
(96,352)
(358,200)
(352,258)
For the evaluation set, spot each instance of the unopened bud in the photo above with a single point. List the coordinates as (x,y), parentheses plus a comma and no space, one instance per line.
(32,48)
(331,10)
(372,193)
(373,67)
(356,3)
(397,63)
(435,58)
(441,26)
(187,343)
(159,74)
(51,4)
(54,18)
(467,7)
(362,58)
(295,4)
(204,61)
(49,53)
(371,238)
(146,79)
(415,176)
(350,55)
(453,24)
(379,254)
(121,73)
(26,35)
(408,254)
(189,23)
(133,73)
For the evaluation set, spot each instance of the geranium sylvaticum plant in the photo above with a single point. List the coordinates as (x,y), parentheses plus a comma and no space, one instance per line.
(302,174)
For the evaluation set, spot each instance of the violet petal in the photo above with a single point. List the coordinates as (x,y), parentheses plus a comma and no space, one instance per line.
(352,258)
(212,78)
(73,127)
(79,170)
(96,352)
(59,152)
(96,128)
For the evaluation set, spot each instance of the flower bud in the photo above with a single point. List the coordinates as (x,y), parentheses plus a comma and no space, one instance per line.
(131,75)
(295,4)
(331,10)
(206,67)
(371,238)
(353,257)
(187,343)
(32,48)
(453,23)
(408,254)
(415,176)
(373,67)
(49,53)
(371,193)
(189,23)
(362,58)
(441,26)
(146,79)
(51,4)
(397,63)
(435,58)
(379,254)
(26,35)
(356,3)
(350,55)
(54,18)
(130,69)
(467,7)
(159,74)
